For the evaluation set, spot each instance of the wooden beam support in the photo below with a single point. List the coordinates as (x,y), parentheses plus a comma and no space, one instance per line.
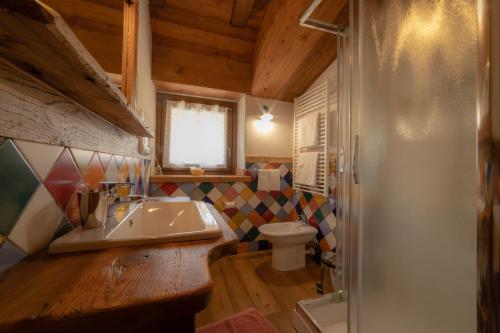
(241,11)
(129,50)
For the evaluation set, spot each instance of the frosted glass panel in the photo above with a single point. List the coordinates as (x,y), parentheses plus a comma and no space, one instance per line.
(416,240)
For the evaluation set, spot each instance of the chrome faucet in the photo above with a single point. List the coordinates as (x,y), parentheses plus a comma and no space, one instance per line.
(303,219)
(94,205)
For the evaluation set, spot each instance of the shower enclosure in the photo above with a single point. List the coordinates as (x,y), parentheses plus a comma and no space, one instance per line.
(414,188)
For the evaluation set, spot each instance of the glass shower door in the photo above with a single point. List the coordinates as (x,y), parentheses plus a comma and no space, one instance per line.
(413,202)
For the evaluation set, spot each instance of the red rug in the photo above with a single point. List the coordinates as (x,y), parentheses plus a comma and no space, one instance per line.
(248,321)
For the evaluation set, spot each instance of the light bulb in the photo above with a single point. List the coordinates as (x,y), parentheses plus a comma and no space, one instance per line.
(267,117)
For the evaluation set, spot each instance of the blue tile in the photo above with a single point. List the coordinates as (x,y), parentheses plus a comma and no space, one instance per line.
(261,208)
(188,188)
(18,184)
(282,215)
(246,209)
(324,227)
(10,255)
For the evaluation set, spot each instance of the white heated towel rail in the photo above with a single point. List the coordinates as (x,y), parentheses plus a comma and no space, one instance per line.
(314,100)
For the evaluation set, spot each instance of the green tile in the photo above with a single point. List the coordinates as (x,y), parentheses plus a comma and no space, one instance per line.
(206,187)
(18,184)
(319,215)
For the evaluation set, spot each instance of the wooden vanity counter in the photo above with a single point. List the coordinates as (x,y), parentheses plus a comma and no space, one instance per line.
(156,288)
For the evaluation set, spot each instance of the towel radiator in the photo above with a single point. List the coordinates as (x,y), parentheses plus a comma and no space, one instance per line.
(317,99)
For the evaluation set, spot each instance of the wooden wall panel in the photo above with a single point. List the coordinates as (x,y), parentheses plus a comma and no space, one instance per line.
(31,111)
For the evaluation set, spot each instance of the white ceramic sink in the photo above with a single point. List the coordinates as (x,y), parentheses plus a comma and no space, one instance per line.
(144,223)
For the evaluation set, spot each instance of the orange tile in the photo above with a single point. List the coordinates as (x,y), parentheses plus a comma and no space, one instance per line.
(242,248)
(94,173)
(324,245)
(246,193)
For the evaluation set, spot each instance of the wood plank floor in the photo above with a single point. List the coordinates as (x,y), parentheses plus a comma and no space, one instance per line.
(248,280)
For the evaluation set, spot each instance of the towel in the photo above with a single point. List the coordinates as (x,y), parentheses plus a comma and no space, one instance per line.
(307,168)
(308,130)
(269,180)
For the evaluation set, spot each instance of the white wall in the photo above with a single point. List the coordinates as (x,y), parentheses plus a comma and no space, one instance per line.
(277,142)
(240,133)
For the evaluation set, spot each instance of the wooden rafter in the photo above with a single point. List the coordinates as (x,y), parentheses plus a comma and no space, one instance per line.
(129,48)
(241,11)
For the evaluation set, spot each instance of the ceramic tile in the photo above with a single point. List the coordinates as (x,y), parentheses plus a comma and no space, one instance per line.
(63,179)
(82,158)
(64,227)
(38,222)
(40,156)
(330,239)
(111,173)
(94,173)
(105,159)
(123,171)
(119,161)
(10,255)
(187,187)
(18,185)
(214,194)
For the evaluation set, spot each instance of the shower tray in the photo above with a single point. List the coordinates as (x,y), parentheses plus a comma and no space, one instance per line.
(324,314)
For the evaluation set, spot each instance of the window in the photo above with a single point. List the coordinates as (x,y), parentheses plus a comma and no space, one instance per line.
(195,132)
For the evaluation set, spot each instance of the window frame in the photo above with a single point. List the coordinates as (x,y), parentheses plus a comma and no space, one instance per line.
(161,128)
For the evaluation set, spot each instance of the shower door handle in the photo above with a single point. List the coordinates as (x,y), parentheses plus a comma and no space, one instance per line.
(355,160)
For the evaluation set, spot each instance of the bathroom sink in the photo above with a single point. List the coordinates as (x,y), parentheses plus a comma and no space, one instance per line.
(144,223)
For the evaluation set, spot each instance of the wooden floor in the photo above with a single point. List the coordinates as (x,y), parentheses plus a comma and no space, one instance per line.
(248,280)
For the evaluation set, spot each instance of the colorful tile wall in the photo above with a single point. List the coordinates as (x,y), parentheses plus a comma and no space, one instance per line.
(38,201)
(254,208)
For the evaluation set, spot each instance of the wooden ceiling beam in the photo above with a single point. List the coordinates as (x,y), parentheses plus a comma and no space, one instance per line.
(129,49)
(287,53)
(219,27)
(241,11)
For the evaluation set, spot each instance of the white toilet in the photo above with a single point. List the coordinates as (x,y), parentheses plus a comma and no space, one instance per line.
(289,240)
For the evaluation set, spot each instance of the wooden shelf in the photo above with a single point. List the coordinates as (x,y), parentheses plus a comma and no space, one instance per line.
(36,40)
(198,179)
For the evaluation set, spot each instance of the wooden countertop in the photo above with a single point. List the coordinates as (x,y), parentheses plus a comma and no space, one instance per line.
(114,289)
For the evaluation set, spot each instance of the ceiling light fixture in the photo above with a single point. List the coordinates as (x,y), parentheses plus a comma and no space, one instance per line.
(266,114)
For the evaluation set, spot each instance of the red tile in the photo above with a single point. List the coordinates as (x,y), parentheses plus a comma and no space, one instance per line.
(268,216)
(275,194)
(168,188)
(231,212)
(262,194)
(313,221)
(94,174)
(63,179)
(231,194)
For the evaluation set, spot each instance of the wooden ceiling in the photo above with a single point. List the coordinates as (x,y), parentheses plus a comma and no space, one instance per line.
(195,44)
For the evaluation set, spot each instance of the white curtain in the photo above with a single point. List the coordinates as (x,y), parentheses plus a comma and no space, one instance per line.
(197,135)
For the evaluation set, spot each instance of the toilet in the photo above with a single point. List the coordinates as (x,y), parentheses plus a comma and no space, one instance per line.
(289,240)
